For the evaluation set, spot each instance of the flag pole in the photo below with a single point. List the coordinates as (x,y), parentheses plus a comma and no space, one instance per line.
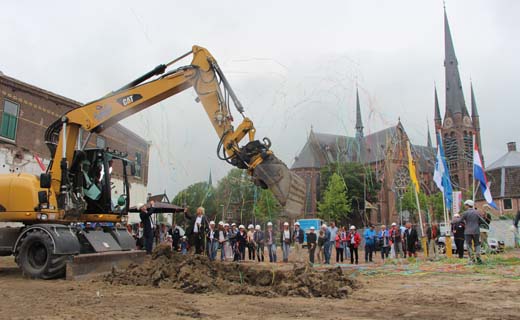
(473,166)
(415,182)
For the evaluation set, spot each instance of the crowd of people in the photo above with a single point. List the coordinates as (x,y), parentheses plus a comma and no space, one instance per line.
(238,242)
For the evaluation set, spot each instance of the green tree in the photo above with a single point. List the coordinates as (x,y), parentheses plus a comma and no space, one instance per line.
(267,207)
(361,182)
(335,204)
(436,203)
(197,195)
(235,195)
(409,203)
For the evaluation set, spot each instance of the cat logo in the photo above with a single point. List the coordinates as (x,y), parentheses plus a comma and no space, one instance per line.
(126,100)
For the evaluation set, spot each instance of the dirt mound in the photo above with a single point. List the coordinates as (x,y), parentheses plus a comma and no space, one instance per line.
(196,274)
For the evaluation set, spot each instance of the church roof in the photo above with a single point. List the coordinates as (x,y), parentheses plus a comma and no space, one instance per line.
(322,149)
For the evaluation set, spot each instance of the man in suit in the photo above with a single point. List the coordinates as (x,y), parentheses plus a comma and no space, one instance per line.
(145,214)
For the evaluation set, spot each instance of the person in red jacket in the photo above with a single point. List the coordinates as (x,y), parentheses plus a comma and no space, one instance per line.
(353,240)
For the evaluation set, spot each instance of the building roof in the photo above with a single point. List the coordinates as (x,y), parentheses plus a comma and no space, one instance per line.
(322,149)
(510,160)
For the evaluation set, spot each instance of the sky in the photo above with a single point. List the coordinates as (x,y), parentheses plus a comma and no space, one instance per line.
(294,65)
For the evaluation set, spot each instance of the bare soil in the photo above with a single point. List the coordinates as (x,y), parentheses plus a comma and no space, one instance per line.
(447,289)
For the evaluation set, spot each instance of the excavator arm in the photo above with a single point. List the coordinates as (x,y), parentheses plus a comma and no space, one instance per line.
(215,95)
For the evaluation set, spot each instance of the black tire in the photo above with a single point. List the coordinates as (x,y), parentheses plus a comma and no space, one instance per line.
(36,259)
(441,248)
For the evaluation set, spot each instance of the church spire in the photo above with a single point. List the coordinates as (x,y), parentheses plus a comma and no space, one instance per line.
(359,122)
(429,139)
(454,96)
(474,111)
(437,119)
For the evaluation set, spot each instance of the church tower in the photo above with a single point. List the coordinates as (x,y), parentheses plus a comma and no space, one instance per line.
(457,128)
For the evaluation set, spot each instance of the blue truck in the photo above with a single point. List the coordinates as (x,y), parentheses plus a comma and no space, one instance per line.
(306,224)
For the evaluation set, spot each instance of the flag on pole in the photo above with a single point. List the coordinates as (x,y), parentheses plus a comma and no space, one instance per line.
(411,168)
(441,175)
(480,176)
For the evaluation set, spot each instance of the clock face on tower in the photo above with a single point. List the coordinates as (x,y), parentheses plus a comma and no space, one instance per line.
(448,123)
(467,121)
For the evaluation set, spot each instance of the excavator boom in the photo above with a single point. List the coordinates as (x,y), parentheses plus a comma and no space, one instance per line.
(68,192)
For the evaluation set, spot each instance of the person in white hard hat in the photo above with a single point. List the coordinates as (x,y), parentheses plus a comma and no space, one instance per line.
(211,241)
(270,240)
(311,243)
(471,219)
(240,244)
(297,238)
(251,246)
(222,238)
(259,239)
(286,240)
(353,240)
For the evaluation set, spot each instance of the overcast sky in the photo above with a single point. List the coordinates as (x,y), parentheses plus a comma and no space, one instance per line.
(293,64)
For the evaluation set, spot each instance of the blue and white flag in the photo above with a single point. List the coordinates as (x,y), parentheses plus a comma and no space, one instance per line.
(441,175)
(480,176)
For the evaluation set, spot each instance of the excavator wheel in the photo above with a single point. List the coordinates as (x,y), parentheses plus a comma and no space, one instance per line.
(36,259)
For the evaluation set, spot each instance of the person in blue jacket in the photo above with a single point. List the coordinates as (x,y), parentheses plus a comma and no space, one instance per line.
(370,242)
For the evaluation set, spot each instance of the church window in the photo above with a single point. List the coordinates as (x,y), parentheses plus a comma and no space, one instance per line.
(308,198)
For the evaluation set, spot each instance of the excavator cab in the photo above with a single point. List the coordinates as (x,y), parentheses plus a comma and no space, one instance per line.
(91,178)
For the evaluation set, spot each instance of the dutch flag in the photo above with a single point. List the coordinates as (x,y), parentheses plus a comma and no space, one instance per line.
(480,176)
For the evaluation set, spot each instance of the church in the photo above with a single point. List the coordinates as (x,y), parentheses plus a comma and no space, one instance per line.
(384,152)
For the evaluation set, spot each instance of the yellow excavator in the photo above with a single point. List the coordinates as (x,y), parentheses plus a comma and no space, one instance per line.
(76,189)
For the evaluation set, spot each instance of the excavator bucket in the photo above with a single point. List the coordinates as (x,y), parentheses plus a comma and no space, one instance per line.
(286,186)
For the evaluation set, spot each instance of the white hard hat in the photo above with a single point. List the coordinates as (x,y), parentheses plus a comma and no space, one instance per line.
(220,223)
(286,224)
(257,227)
(269,224)
(233,224)
(212,222)
(241,226)
(312,228)
(323,226)
(352,227)
(296,223)
(394,224)
(469,203)
(226,224)
(250,226)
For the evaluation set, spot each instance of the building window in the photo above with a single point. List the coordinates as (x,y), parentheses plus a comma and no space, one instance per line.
(508,204)
(101,143)
(308,196)
(9,120)
(138,164)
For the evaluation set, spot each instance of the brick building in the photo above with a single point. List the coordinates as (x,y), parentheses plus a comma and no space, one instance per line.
(26,111)
(383,152)
(504,180)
